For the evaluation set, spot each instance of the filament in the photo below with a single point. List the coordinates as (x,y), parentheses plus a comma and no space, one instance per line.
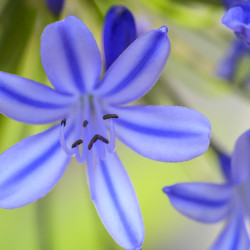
(111,147)
(68,151)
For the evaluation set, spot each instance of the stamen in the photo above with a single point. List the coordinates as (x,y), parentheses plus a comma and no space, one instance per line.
(85,123)
(112,136)
(95,138)
(79,158)
(108,116)
(103,139)
(63,122)
(68,151)
(90,168)
(76,143)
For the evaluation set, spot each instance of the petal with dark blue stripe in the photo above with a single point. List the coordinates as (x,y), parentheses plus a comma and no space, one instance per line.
(31,168)
(203,202)
(70,56)
(138,68)
(116,203)
(27,101)
(162,133)
(234,235)
(118,33)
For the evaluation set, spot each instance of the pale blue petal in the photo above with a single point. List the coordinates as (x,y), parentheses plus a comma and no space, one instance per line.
(240,162)
(70,56)
(31,168)
(135,72)
(116,203)
(237,19)
(27,101)
(234,235)
(203,202)
(162,133)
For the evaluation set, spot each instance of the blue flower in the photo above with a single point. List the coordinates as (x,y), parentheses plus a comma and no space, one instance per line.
(228,66)
(87,109)
(237,18)
(207,202)
(55,6)
(119,32)
(229,3)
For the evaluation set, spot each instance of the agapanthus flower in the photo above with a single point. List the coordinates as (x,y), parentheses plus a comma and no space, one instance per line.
(119,32)
(55,6)
(229,64)
(229,3)
(89,114)
(209,202)
(237,18)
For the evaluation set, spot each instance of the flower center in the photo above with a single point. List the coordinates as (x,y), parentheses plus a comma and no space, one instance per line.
(86,141)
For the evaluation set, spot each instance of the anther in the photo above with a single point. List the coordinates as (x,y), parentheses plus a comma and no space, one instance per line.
(76,143)
(85,123)
(108,116)
(95,138)
(63,122)
(103,139)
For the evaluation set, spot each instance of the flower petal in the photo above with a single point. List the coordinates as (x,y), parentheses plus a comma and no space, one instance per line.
(162,133)
(225,163)
(204,202)
(241,159)
(31,168)
(135,72)
(28,101)
(234,235)
(118,33)
(228,66)
(229,3)
(237,19)
(117,204)
(55,6)
(234,18)
(70,56)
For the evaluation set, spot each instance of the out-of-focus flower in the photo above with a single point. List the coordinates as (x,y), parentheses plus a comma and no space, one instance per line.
(207,202)
(72,62)
(228,66)
(229,3)
(119,32)
(55,6)
(237,18)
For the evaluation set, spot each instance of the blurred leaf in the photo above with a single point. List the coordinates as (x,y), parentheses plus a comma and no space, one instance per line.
(16,23)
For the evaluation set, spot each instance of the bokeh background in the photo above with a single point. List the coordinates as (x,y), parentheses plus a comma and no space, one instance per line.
(66,219)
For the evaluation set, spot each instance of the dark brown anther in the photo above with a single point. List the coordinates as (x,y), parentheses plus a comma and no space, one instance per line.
(63,122)
(103,139)
(95,138)
(108,116)
(76,143)
(85,123)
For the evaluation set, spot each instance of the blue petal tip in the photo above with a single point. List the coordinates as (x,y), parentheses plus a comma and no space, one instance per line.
(166,189)
(164,29)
